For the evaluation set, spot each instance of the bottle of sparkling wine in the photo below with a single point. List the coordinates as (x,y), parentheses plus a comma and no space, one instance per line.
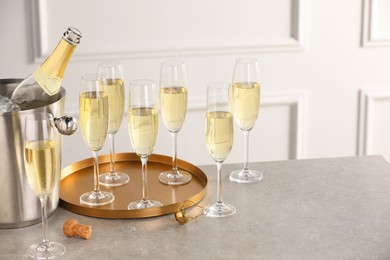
(40,88)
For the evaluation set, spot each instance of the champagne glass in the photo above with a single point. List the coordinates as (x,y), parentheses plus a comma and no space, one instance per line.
(42,164)
(143,126)
(94,124)
(219,140)
(112,72)
(173,101)
(246,103)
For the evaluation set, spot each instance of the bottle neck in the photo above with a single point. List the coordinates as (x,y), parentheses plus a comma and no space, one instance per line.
(55,65)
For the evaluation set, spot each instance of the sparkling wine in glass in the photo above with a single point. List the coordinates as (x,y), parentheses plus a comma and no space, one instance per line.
(41,160)
(219,140)
(112,72)
(94,116)
(246,103)
(173,103)
(143,127)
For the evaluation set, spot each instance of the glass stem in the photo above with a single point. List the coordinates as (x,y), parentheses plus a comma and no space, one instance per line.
(45,240)
(219,183)
(174,153)
(96,172)
(145,197)
(112,152)
(246,150)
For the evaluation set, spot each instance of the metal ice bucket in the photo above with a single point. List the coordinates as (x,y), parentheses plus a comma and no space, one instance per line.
(19,207)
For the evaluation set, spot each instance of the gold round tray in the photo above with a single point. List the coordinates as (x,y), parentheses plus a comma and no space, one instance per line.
(77,178)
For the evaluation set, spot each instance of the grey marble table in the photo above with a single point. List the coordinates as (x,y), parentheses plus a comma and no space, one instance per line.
(337,208)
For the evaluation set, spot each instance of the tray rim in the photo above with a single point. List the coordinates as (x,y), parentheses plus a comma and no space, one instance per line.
(138,213)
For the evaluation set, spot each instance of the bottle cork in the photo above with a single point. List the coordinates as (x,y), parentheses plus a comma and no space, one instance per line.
(72,228)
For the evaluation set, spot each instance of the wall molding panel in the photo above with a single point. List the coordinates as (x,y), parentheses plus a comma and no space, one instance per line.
(367,112)
(376,32)
(292,41)
(297,105)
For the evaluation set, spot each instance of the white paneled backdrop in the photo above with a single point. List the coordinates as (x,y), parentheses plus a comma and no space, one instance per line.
(325,66)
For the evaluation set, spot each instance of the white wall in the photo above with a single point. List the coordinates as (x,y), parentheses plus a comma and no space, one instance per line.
(324,66)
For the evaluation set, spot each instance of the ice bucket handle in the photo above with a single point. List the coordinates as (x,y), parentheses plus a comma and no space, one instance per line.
(65,125)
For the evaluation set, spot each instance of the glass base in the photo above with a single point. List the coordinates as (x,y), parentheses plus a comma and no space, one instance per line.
(177,178)
(143,204)
(50,250)
(114,179)
(242,176)
(219,210)
(93,198)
